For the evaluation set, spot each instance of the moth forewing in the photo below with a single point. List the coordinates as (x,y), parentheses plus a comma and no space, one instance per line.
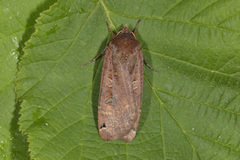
(120,96)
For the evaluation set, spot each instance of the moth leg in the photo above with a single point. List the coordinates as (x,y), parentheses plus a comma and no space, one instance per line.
(113,34)
(135,29)
(94,58)
(150,66)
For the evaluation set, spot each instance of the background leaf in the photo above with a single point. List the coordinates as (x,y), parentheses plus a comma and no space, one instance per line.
(190,110)
(16,25)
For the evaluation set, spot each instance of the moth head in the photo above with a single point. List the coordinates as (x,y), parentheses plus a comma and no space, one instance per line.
(126,30)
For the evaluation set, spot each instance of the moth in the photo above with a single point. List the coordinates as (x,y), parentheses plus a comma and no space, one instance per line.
(120,98)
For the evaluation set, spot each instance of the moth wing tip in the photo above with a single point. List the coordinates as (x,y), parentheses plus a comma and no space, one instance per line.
(129,137)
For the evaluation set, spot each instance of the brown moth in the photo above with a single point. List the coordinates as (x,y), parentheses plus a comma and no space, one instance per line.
(120,98)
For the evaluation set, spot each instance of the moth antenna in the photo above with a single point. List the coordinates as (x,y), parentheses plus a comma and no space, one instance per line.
(95,58)
(135,29)
(110,30)
(150,66)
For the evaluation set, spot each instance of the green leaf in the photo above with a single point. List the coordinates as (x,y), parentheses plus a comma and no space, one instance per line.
(190,109)
(16,25)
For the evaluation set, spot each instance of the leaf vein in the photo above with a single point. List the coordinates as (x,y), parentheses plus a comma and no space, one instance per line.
(64,53)
(192,64)
(183,131)
(64,98)
(215,141)
(209,5)
(178,21)
(206,104)
(168,11)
